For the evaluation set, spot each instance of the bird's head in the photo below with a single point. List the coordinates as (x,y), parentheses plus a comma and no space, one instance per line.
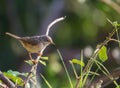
(47,39)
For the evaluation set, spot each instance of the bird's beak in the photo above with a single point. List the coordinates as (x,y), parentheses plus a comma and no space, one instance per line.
(52,43)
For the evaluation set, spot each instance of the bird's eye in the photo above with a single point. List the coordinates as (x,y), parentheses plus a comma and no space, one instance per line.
(47,40)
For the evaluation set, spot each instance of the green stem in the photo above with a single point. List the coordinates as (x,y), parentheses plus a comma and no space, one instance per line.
(70,81)
(117,35)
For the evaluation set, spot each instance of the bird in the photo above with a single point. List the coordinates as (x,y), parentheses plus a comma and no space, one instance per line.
(33,44)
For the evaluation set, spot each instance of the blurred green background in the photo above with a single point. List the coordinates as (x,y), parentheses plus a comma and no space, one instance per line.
(85,26)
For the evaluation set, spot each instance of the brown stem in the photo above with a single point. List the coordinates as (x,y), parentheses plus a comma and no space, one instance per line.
(105,79)
(32,71)
(4,79)
(114,40)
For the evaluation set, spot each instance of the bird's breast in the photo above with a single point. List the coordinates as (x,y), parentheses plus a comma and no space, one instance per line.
(32,48)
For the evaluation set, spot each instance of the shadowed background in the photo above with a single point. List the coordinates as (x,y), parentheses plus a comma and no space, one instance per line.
(85,26)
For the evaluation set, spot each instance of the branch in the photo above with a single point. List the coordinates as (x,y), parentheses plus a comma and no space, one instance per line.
(105,79)
(4,79)
(33,70)
(51,24)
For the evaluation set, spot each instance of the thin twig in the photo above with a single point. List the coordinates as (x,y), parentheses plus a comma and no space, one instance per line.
(74,70)
(32,71)
(4,79)
(114,40)
(51,24)
(3,85)
(48,84)
(70,81)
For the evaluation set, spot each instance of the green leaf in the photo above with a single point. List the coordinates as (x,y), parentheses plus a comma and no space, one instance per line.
(42,62)
(118,86)
(44,58)
(29,62)
(76,61)
(17,80)
(102,54)
(16,73)
(115,23)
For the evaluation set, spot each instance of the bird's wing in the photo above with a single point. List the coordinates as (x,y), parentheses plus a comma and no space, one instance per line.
(33,40)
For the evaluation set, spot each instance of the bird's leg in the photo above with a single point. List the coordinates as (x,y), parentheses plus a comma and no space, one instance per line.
(30,56)
(34,61)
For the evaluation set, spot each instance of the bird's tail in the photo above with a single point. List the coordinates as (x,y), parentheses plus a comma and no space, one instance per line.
(12,35)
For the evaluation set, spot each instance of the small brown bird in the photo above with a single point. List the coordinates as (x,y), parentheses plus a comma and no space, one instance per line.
(34,44)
